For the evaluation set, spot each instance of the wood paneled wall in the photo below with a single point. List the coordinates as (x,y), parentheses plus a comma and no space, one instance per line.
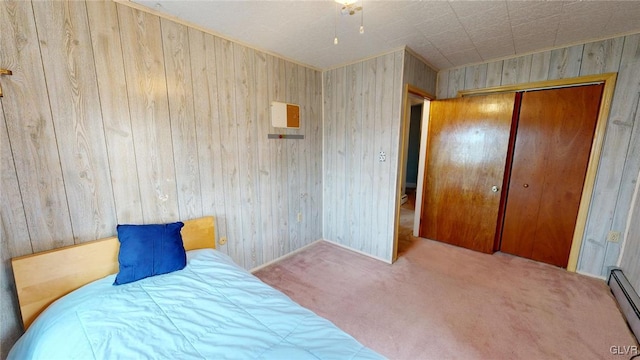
(114,115)
(362,119)
(630,260)
(417,73)
(620,160)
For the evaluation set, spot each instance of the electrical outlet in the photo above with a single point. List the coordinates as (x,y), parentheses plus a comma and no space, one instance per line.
(382,157)
(299,217)
(222,240)
(613,236)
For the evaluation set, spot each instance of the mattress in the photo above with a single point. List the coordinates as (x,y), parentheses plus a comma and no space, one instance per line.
(212,309)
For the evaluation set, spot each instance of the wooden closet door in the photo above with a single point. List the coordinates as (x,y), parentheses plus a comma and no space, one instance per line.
(466,153)
(553,142)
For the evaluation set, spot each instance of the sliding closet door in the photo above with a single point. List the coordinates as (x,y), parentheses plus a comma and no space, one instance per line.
(552,147)
(466,153)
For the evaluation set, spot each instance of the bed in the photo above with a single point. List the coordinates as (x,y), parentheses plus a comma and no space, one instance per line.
(210,309)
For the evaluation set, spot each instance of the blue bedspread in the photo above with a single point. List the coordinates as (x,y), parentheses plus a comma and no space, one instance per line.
(212,309)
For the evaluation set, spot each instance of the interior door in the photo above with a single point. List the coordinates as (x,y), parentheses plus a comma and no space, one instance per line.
(466,152)
(553,142)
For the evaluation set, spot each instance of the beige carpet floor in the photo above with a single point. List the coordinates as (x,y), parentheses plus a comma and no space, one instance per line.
(443,302)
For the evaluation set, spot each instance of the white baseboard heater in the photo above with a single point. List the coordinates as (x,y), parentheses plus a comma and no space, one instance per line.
(627,298)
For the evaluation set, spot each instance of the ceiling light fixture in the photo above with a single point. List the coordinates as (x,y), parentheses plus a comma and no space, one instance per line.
(335,27)
(348,7)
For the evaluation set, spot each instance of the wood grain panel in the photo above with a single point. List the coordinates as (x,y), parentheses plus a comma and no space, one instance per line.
(354,149)
(456,82)
(339,155)
(293,166)
(316,138)
(266,172)
(540,63)
(330,109)
(147,90)
(475,77)
(279,158)
(382,144)
(411,70)
(611,196)
(205,102)
(494,73)
(207,123)
(629,179)
(225,71)
(601,56)
(31,132)
(368,155)
(245,93)
(466,156)
(516,70)
(11,326)
(431,80)
(107,49)
(13,221)
(565,62)
(397,108)
(177,60)
(211,143)
(629,261)
(624,117)
(303,159)
(417,73)
(302,156)
(33,163)
(75,107)
(442,88)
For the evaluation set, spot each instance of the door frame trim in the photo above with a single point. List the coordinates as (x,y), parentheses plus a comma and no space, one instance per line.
(609,81)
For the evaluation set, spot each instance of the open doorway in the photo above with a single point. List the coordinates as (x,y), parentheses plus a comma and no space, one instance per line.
(411,156)
(410,178)
(413,139)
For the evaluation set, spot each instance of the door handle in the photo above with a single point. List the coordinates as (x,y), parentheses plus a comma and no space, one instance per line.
(494,188)
(525,186)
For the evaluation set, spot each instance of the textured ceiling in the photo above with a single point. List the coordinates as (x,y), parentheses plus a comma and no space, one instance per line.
(446,33)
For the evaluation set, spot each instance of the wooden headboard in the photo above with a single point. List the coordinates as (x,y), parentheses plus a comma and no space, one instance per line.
(44,277)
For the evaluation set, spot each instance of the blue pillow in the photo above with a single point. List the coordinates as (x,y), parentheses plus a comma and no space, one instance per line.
(148,250)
